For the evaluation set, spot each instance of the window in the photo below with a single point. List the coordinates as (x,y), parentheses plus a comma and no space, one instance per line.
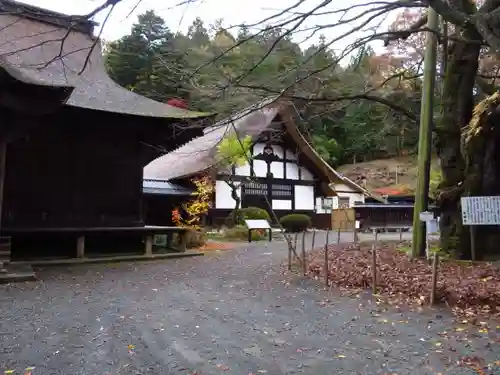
(326,203)
(255,188)
(281,190)
(343,202)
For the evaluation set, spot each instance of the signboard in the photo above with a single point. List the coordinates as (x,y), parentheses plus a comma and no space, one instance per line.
(481,210)
(257,224)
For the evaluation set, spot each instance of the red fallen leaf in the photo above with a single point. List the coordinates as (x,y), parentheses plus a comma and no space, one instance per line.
(471,290)
(222,367)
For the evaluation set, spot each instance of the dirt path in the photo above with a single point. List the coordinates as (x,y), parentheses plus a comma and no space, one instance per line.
(230,312)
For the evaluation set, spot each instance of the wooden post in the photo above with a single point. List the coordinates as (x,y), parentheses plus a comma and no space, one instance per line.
(313,240)
(472,230)
(290,255)
(249,235)
(326,257)
(170,239)
(425,133)
(183,238)
(304,263)
(80,247)
(148,251)
(374,269)
(3,154)
(400,234)
(435,264)
(270,234)
(338,234)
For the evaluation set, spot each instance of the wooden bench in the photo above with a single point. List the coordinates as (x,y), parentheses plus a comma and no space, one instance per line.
(80,234)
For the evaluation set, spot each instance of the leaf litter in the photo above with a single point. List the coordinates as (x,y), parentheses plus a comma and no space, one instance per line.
(472,291)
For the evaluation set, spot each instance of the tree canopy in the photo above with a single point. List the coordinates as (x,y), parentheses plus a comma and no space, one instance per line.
(220,71)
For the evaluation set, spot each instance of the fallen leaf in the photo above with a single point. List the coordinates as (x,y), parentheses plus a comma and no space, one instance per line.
(341,356)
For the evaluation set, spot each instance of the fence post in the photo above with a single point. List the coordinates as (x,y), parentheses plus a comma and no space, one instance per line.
(326,256)
(435,264)
(400,234)
(374,263)
(338,233)
(304,263)
(313,240)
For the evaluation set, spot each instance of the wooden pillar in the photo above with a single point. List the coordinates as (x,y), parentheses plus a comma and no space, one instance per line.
(80,247)
(170,236)
(3,154)
(183,237)
(148,251)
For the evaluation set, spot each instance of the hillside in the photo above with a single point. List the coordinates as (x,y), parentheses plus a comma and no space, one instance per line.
(382,172)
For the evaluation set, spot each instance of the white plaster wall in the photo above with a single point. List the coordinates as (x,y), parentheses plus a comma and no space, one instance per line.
(223,197)
(282,204)
(304,197)
(305,174)
(292,171)
(244,170)
(258,148)
(278,151)
(277,169)
(260,168)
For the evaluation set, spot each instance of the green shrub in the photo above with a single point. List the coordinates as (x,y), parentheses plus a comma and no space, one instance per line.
(240,233)
(238,217)
(295,222)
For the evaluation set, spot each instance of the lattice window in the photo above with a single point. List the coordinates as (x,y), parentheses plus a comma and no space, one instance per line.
(281,190)
(255,188)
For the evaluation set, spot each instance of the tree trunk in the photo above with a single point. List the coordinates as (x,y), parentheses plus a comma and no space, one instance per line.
(234,192)
(456,112)
(482,149)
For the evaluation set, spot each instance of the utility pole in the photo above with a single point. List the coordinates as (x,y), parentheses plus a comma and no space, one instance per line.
(425,134)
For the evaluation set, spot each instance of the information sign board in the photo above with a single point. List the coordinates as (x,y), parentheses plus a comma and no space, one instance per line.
(257,224)
(481,210)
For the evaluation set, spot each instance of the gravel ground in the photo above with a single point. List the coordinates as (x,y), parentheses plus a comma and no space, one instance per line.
(231,312)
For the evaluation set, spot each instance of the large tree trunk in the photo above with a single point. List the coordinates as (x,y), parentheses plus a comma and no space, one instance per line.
(456,112)
(482,149)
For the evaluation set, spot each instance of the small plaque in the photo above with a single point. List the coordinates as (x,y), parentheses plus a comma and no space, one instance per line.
(257,224)
(426,216)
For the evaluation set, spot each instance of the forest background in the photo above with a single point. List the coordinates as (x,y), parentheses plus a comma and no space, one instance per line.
(370,102)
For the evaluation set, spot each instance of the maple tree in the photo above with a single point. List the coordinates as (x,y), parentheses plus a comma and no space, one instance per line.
(233,151)
(196,208)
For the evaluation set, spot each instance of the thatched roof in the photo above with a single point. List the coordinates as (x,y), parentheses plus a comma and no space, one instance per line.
(200,154)
(37,48)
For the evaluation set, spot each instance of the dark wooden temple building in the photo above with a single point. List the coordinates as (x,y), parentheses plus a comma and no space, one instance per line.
(73,142)
(285,173)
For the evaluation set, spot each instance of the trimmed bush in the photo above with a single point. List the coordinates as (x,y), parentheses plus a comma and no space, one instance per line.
(238,217)
(295,222)
(240,233)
